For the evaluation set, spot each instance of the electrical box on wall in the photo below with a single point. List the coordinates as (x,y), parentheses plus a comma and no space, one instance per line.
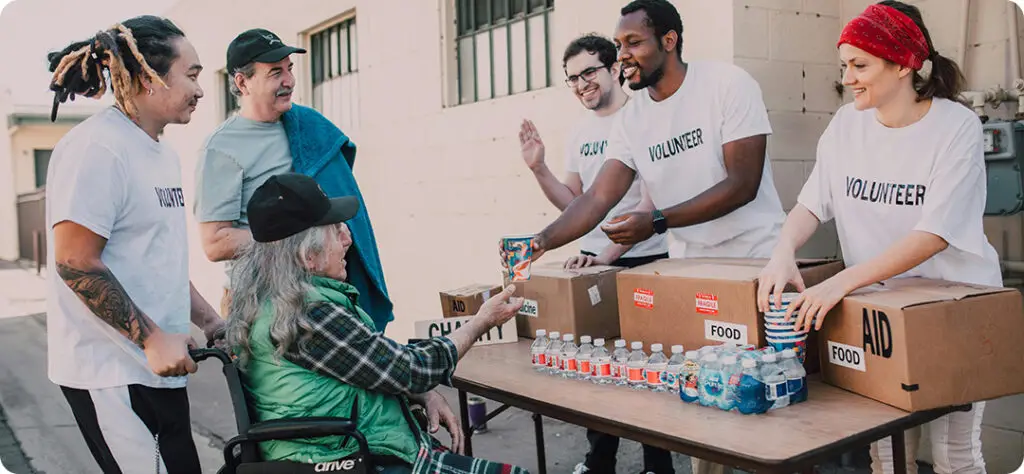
(1004,159)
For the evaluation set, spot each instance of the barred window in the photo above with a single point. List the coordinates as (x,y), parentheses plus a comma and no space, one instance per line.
(334,62)
(502,47)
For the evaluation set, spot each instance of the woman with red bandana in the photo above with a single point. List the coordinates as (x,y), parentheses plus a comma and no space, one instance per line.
(902,172)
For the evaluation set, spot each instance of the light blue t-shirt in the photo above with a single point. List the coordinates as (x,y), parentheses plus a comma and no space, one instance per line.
(238,157)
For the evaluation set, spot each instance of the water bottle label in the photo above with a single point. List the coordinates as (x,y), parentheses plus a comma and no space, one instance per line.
(570,365)
(690,381)
(618,371)
(735,380)
(556,362)
(584,366)
(654,377)
(713,384)
(635,374)
(603,370)
(540,359)
(775,391)
(794,385)
(670,380)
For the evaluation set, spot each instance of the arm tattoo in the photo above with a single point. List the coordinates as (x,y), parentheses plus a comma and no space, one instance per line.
(108,300)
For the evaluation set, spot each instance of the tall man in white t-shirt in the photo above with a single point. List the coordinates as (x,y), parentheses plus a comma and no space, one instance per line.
(119,301)
(696,134)
(593,74)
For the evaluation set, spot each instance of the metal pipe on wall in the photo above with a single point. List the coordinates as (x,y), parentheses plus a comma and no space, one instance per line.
(1014,36)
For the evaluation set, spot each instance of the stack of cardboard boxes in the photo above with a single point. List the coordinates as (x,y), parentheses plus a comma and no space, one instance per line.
(911,343)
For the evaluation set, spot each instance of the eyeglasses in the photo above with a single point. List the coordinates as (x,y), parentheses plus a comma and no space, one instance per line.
(588,74)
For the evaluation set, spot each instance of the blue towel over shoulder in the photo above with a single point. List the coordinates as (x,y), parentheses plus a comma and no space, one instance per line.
(322,151)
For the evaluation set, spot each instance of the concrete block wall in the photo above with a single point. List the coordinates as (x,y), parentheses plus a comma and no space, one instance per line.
(788,46)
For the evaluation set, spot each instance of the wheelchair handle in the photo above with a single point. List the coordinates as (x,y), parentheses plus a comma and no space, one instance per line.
(200,355)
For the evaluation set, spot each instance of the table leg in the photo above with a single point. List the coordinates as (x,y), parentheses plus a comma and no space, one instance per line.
(538,426)
(467,429)
(899,453)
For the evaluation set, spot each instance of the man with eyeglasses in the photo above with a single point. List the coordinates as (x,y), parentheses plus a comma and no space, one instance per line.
(592,74)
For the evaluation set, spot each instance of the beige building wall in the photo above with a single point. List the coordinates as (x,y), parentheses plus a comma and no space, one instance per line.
(789,47)
(25,139)
(8,197)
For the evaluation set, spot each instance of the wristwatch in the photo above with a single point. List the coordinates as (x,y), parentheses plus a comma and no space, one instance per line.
(660,224)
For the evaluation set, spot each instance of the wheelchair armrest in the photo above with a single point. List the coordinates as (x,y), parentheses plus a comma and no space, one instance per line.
(292,428)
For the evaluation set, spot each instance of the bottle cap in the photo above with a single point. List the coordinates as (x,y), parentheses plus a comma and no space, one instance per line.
(599,341)
(749,363)
(637,345)
(541,332)
(555,334)
(768,358)
(729,360)
(657,347)
(620,343)
(585,339)
(692,354)
(711,357)
(677,349)
(568,337)
(788,354)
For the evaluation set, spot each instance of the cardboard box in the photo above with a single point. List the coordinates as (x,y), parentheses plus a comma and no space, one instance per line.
(466,301)
(919,344)
(699,302)
(581,301)
(506,333)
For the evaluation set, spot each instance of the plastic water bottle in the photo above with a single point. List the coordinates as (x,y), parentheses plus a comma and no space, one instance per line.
(731,372)
(689,389)
(656,366)
(796,377)
(568,357)
(601,364)
(635,366)
(583,358)
(671,375)
(554,353)
(775,382)
(619,359)
(751,400)
(711,384)
(539,351)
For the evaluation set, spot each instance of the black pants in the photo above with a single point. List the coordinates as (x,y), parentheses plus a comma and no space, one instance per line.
(125,426)
(604,447)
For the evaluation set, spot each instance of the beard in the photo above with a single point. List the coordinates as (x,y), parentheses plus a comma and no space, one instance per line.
(647,80)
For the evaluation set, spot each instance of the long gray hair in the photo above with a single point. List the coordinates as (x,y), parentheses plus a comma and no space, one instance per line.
(278,274)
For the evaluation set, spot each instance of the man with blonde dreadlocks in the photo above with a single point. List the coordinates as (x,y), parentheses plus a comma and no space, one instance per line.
(119,300)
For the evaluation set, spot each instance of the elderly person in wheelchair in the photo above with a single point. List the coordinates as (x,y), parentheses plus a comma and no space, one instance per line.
(307,350)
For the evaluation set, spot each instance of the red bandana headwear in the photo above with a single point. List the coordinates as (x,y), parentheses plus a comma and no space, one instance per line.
(889,34)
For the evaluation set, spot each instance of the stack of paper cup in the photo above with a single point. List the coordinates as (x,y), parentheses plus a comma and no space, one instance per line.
(782,335)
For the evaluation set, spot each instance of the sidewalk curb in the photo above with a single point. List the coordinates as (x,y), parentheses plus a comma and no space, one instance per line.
(14,459)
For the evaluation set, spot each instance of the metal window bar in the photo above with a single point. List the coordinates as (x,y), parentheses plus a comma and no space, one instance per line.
(516,11)
(333,51)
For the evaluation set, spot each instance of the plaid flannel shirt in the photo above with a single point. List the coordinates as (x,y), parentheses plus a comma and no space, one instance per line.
(339,345)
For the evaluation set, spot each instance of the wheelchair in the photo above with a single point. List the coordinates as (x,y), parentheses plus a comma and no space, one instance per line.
(246,458)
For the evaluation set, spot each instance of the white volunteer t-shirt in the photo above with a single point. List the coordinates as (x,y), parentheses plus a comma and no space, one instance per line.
(881,183)
(675,145)
(585,155)
(109,176)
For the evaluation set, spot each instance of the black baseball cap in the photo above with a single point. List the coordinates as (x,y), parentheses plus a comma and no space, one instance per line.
(289,203)
(257,45)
